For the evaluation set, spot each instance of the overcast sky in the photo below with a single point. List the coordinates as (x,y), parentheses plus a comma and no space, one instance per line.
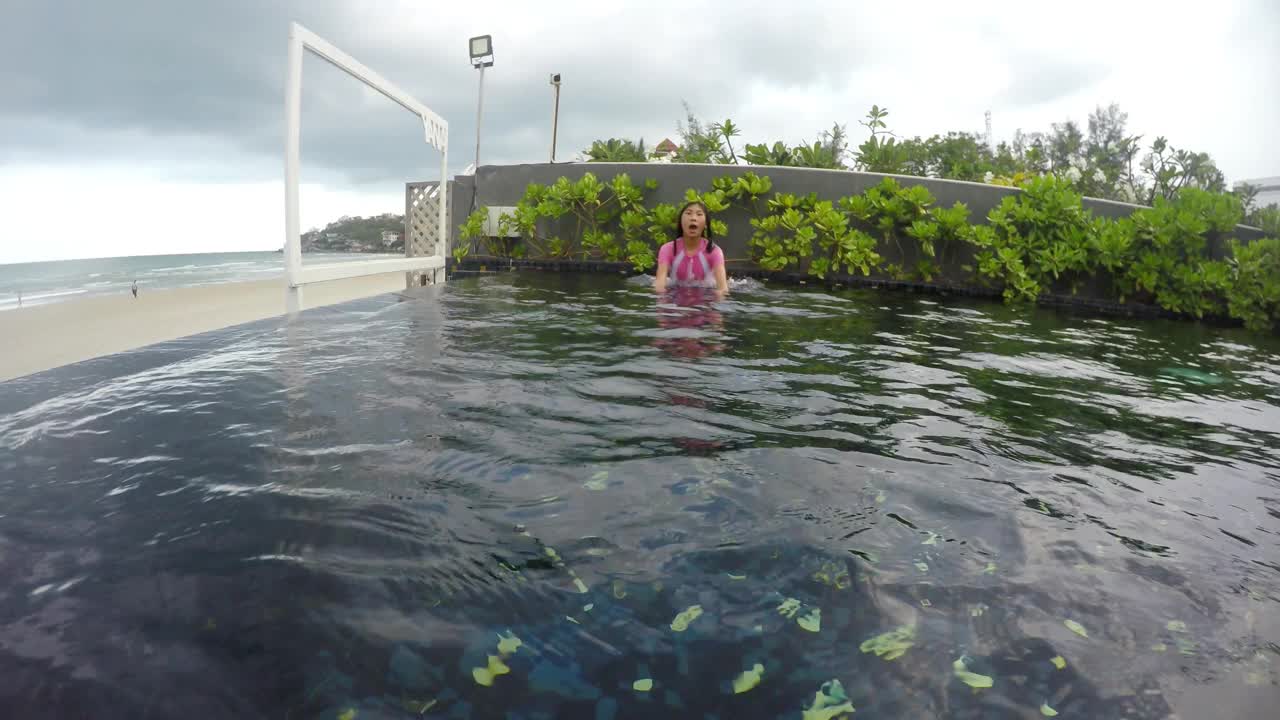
(152,126)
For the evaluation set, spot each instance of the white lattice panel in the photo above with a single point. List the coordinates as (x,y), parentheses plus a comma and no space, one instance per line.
(422,221)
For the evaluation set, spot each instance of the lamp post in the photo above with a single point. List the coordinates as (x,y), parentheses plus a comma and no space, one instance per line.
(481,48)
(555,114)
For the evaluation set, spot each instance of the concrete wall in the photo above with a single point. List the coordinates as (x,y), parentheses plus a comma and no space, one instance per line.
(505,184)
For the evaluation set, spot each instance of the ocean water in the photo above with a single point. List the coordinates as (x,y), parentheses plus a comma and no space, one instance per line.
(46,282)
(532,496)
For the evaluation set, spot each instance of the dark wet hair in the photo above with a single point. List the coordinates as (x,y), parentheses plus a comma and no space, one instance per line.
(706,227)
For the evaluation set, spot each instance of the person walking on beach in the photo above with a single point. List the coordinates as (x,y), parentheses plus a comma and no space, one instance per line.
(134,289)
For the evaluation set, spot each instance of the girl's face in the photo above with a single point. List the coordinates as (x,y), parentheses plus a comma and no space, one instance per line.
(693,221)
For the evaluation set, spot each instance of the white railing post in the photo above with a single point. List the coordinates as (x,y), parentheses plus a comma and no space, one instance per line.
(444,214)
(293,120)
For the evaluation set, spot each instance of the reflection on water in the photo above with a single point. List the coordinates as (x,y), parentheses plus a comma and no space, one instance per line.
(690,328)
(536,497)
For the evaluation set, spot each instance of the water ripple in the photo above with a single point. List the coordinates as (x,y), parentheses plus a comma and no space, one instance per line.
(348,510)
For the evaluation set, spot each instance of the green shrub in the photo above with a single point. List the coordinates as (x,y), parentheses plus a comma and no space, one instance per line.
(748,191)
(1253,293)
(1267,218)
(784,235)
(608,218)
(1035,239)
(470,230)
(888,212)
(1169,254)
(522,221)
(943,230)
(842,247)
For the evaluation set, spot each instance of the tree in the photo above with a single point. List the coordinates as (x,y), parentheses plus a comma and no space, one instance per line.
(881,152)
(826,152)
(699,144)
(1100,160)
(762,154)
(1171,170)
(958,156)
(1031,152)
(616,150)
(1111,151)
(1267,218)
(728,131)
(1066,144)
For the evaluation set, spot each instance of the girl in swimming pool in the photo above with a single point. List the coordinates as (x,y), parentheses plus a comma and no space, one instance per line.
(692,259)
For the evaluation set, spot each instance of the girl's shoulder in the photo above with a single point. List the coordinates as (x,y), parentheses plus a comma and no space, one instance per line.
(667,252)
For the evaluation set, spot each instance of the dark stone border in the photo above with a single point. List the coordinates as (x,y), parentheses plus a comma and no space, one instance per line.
(1057,301)
(481,263)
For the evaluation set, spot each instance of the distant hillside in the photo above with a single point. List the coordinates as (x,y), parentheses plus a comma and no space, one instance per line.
(378,234)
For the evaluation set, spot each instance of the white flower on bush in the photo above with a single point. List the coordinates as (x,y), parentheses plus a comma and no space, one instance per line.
(988,177)
(1099,177)
(1073,174)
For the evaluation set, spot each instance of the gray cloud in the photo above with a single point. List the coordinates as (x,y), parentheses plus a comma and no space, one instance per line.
(141,80)
(1040,78)
(103,80)
(195,89)
(144,64)
(113,80)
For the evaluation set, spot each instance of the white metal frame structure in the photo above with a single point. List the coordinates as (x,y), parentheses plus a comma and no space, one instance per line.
(437,136)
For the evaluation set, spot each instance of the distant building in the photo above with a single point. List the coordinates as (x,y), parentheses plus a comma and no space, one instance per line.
(390,237)
(665,151)
(1268,191)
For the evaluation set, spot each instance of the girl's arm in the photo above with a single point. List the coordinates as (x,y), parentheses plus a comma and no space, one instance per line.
(722,279)
(660,280)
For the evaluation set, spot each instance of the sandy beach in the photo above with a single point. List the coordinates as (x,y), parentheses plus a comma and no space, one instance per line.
(48,336)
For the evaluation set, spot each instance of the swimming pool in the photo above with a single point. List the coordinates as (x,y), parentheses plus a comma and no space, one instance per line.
(535,496)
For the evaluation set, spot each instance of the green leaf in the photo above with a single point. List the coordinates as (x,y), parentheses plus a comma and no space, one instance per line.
(486,675)
(508,643)
(891,645)
(1076,628)
(974,680)
(829,703)
(811,621)
(685,617)
(748,679)
(789,607)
